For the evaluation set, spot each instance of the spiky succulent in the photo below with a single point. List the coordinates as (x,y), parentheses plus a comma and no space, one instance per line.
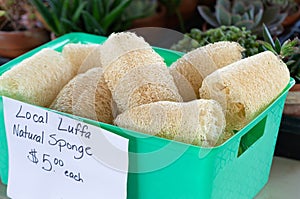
(244,13)
(288,51)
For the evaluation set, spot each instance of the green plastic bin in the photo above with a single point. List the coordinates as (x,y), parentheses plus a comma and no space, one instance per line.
(161,168)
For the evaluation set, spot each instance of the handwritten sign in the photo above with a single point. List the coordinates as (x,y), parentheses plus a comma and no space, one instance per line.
(53,156)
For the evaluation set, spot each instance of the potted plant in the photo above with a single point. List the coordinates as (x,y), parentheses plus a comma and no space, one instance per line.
(20,31)
(146,13)
(96,17)
(289,52)
(244,13)
(291,7)
(101,17)
(288,138)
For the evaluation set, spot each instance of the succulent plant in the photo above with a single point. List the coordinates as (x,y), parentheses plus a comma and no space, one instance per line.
(17,15)
(140,9)
(291,7)
(196,38)
(244,13)
(94,16)
(288,51)
(284,5)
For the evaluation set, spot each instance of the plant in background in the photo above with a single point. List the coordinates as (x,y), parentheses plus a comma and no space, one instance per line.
(288,51)
(173,8)
(197,38)
(105,16)
(140,9)
(17,15)
(94,16)
(60,16)
(244,13)
(288,6)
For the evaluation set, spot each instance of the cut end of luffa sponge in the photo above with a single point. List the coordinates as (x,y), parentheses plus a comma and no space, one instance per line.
(38,79)
(246,87)
(199,122)
(190,70)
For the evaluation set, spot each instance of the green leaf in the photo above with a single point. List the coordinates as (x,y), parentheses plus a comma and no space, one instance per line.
(101,9)
(223,16)
(91,25)
(225,4)
(97,10)
(290,62)
(235,18)
(290,43)
(207,15)
(55,6)
(277,46)
(267,36)
(114,14)
(258,17)
(268,46)
(64,12)
(251,12)
(106,5)
(139,9)
(71,26)
(245,16)
(49,17)
(290,48)
(276,24)
(78,11)
(238,8)
(258,5)
(272,15)
(248,24)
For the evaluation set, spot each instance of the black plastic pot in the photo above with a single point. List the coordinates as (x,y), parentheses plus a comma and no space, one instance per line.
(288,141)
(3,60)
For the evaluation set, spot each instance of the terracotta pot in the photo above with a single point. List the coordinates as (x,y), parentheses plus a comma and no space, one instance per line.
(15,43)
(156,20)
(187,8)
(292,19)
(292,104)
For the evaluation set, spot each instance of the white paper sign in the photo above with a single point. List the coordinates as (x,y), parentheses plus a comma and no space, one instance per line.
(53,156)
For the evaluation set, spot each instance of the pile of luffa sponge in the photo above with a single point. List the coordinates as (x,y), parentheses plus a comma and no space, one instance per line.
(201,99)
